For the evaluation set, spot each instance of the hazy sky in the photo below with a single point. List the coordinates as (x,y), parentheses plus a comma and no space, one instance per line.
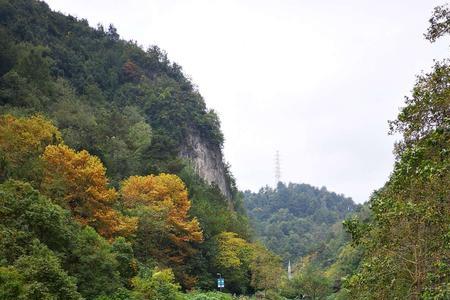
(316,80)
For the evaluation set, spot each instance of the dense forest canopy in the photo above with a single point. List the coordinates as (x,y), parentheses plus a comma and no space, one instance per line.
(294,220)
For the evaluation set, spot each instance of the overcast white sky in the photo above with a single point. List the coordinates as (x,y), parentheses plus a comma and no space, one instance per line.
(316,80)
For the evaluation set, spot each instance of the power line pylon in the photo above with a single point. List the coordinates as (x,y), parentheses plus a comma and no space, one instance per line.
(277,167)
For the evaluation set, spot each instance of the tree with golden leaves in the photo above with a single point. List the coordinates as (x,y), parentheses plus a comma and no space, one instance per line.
(165,230)
(232,258)
(165,192)
(22,141)
(77,181)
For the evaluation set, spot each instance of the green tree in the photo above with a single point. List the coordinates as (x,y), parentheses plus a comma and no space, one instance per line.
(208,296)
(26,215)
(128,264)
(95,265)
(12,285)
(156,285)
(266,269)
(44,276)
(310,283)
(232,258)
(406,246)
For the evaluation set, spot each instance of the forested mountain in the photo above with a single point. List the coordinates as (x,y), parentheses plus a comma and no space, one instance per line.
(101,196)
(106,95)
(296,219)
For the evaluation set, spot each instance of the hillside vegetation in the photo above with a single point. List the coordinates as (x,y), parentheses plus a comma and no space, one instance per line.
(296,219)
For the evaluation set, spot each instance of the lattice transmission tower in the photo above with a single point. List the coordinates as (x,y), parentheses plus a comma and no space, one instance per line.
(277,168)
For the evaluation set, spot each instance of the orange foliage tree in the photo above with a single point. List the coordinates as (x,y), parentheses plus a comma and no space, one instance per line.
(165,230)
(22,141)
(165,192)
(77,181)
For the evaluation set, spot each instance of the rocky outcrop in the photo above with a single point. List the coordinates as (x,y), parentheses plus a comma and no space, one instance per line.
(207,161)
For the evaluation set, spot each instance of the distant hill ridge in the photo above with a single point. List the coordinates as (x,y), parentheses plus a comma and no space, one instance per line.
(293,220)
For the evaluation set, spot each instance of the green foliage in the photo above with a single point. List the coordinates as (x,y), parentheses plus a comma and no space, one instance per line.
(439,23)
(427,109)
(121,294)
(207,296)
(345,264)
(95,265)
(409,234)
(303,223)
(25,215)
(34,65)
(7,53)
(309,284)
(102,268)
(156,285)
(406,245)
(28,83)
(44,275)
(232,258)
(294,220)
(128,265)
(266,269)
(12,285)
(130,107)
(205,199)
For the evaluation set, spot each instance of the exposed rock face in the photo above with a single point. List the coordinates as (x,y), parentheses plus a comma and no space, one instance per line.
(207,161)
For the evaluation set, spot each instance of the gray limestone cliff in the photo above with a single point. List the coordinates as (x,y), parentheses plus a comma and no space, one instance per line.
(207,161)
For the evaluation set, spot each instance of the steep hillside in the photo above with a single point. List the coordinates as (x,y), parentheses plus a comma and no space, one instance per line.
(297,219)
(105,92)
(207,161)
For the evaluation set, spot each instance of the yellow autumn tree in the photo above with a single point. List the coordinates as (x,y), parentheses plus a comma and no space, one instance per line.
(165,230)
(77,181)
(165,192)
(233,256)
(266,269)
(22,141)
